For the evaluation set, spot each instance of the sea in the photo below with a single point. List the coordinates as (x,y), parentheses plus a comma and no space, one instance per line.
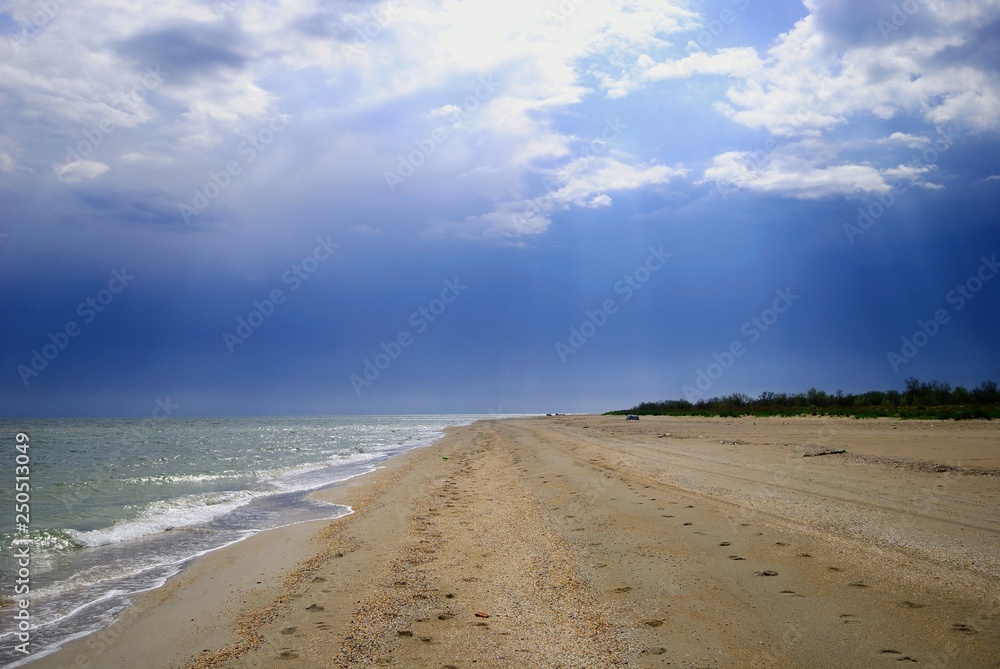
(118,506)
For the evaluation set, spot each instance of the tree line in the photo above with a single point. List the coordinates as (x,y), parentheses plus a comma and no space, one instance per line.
(918,399)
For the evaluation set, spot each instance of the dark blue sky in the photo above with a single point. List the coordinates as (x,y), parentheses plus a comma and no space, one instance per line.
(445,206)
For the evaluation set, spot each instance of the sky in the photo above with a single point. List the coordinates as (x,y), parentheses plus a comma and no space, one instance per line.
(308,207)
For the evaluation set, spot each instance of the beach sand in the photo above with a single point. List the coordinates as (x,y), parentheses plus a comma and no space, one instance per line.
(588,541)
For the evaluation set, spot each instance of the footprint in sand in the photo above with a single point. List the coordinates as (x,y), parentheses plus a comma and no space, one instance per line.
(623,589)
(766,572)
(806,555)
(736,557)
(315,607)
(446,616)
(406,634)
(857,584)
(962,628)
(725,543)
(849,619)
(654,651)
(688,523)
(656,622)
(323,626)
(911,605)
(288,630)
(835,569)
(904,658)
(288,655)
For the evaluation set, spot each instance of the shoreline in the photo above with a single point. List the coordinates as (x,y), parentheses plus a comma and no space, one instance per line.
(564,531)
(297,543)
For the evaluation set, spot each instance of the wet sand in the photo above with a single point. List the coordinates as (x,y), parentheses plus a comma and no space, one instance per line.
(592,541)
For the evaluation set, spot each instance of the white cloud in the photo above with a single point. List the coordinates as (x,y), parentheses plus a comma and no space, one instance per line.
(601,200)
(813,79)
(584,178)
(791,175)
(906,139)
(81,170)
(446,110)
(807,86)
(380,77)
(735,62)
(582,182)
(334,66)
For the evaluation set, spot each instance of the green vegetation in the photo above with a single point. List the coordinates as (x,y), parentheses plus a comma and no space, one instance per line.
(930,400)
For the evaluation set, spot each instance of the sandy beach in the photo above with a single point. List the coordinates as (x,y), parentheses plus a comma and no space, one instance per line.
(588,541)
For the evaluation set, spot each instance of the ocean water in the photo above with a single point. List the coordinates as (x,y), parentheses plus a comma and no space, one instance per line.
(118,506)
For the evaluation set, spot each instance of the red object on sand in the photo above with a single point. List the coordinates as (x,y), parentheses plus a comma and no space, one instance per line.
(480,614)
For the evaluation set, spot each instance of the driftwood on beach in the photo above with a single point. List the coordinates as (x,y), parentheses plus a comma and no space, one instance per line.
(828,451)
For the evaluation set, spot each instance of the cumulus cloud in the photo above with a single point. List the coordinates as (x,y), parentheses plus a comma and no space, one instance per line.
(830,68)
(343,69)
(584,182)
(855,57)
(81,170)
(789,174)
(584,178)
(370,84)
(906,139)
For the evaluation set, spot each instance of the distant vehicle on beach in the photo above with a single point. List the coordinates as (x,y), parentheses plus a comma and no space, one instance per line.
(631,416)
